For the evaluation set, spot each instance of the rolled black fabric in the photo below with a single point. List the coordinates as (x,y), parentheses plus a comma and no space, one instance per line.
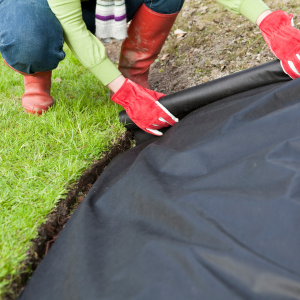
(192,98)
(210,211)
(141,136)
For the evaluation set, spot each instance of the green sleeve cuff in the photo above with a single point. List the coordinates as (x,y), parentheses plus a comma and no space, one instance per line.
(252,9)
(106,71)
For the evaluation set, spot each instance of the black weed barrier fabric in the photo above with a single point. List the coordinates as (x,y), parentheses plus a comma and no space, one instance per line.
(183,102)
(209,211)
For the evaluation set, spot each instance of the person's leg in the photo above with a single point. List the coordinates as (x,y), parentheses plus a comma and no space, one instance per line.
(31,41)
(165,7)
(132,7)
(88,15)
(31,37)
(150,26)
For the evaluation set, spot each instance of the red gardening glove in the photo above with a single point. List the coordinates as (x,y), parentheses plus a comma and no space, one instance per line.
(283,40)
(143,108)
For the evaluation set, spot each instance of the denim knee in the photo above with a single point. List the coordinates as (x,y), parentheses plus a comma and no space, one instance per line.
(31,37)
(165,6)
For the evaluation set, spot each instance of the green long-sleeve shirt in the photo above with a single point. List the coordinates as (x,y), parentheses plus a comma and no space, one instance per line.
(251,9)
(90,51)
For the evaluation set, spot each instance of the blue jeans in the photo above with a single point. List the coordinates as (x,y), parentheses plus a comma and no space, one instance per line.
(160,6)
(31,37)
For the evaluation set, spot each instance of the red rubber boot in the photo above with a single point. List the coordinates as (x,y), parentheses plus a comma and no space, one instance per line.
(36,98)
(146,35)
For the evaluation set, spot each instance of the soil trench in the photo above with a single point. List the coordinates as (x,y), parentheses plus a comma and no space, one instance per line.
(49,231)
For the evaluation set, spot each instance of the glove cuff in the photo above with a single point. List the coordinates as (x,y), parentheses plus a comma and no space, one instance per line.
(120,96)
(274,22)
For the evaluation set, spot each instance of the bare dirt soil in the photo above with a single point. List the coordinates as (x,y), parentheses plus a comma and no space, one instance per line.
(217,43)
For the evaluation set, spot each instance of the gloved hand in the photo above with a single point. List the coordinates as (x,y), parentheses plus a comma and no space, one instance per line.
(143,108)
(283,40)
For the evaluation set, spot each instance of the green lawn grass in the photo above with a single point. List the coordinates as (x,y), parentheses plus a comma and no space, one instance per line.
(41,156)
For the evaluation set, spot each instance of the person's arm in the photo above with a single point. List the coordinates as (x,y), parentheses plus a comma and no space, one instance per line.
(251,9)
(262,16)
(277,29)
(85,46)
(141,104)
